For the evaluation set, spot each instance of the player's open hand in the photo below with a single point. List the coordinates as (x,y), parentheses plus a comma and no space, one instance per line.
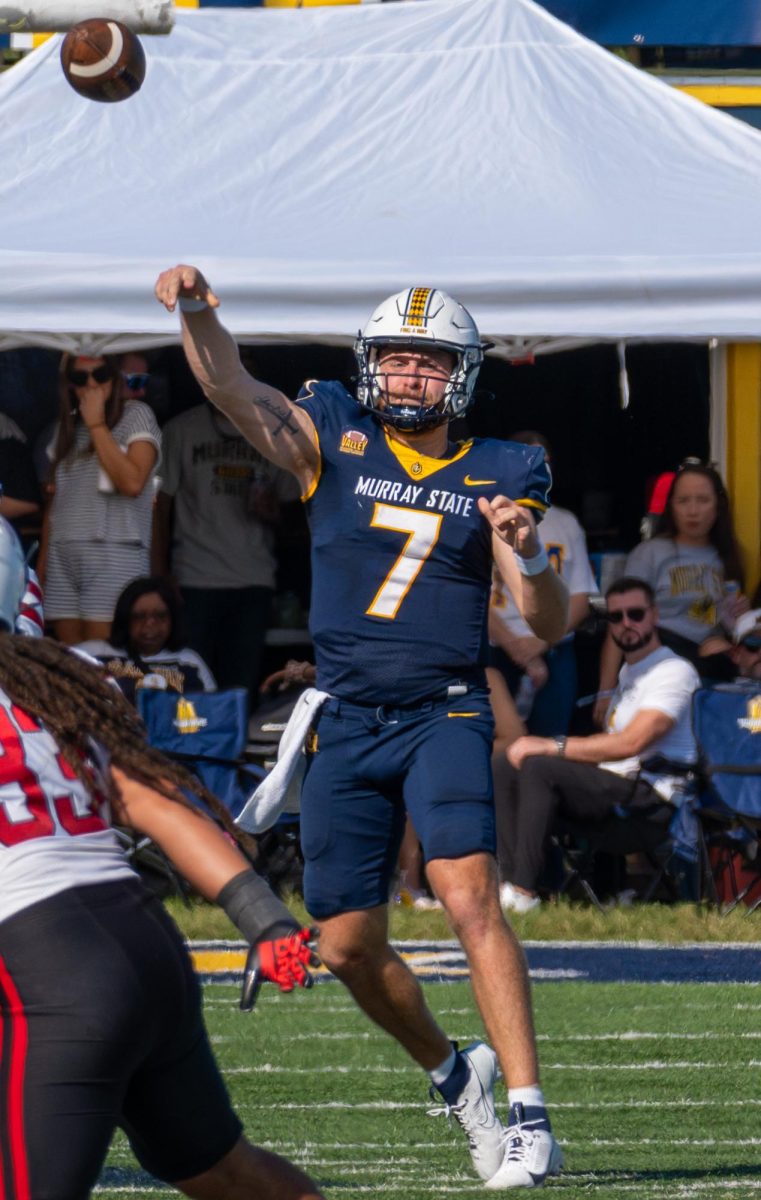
(282,960)
(512,523)
(183,282)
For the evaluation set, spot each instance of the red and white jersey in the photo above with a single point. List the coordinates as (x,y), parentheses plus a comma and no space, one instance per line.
(54,834)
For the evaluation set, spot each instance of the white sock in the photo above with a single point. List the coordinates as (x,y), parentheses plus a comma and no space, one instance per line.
(441,1073)
(530,1097)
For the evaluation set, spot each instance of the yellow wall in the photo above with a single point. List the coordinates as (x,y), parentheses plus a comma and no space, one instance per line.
(744,451)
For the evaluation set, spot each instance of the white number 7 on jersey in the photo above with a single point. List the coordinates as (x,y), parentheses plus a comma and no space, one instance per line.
(423,529)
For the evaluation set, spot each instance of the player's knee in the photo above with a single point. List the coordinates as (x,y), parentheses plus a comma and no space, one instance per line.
(470,899)
(346,959)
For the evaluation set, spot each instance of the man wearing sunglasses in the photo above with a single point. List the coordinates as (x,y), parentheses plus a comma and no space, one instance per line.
(638,763)
(135,376)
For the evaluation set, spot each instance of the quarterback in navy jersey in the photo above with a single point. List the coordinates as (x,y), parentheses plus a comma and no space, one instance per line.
(405,526)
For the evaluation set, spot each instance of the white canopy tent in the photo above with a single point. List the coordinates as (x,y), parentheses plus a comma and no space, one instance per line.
(312,160)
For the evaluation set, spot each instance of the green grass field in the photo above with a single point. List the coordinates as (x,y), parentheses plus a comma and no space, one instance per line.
(655,1092)
(556,921)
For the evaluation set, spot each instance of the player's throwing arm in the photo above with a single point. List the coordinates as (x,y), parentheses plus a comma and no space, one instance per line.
(278,429)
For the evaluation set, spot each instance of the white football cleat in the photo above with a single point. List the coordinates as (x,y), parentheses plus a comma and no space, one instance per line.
(473,1108)
(531,1153)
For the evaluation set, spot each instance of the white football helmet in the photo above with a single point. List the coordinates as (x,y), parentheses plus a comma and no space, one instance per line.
(419,317)
(12,575)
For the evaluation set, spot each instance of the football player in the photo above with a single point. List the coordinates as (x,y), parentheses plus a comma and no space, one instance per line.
(100,1012)
(405,526)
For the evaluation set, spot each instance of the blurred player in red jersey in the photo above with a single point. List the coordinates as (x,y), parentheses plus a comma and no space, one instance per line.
(405,526)
(100,1012)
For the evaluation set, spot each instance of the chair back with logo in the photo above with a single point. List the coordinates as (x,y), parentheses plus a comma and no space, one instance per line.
(727,725)
(207,732)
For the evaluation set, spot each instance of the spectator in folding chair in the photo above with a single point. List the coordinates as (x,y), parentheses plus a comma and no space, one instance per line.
(635,767)
(146,647)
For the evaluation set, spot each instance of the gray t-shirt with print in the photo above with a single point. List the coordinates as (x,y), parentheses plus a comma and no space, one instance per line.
(214,475)
(688,582)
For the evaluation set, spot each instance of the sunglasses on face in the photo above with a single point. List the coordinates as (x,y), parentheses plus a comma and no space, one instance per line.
(137,381)
(752,643)
(99,374)
(633,614)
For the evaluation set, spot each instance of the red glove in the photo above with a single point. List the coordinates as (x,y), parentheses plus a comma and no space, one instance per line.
(281,960)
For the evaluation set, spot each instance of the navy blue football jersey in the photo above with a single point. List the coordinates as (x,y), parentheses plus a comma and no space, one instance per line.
(401,556)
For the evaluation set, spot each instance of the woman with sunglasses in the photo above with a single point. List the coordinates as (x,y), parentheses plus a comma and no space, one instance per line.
(688,564)
(97,527)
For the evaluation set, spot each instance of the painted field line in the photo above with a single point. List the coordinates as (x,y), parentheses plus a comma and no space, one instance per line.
(416,1106)
(656,1065)
(651,1187)
(366,1036)
(640,1141)
(360,1069)
(632,1035)
(309,1148)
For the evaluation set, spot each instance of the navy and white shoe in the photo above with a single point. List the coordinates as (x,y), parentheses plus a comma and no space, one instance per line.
(468,1096)
(531,1153)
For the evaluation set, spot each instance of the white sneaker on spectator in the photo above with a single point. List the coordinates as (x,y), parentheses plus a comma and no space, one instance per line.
(515,901)
(468,1096)
(531,1153)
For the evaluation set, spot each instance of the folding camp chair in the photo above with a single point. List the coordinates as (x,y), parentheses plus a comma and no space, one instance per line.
(727,725)
(210,733)
(207,732)
(592,858)
(669,841)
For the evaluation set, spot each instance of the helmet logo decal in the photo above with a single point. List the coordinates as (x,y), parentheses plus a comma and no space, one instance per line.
(353,442)
(418,306)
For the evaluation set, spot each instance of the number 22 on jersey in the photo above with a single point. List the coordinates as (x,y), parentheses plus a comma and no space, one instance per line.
(423,529)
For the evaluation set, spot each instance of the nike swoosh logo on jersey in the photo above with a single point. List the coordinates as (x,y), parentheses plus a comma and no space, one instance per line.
(476,482)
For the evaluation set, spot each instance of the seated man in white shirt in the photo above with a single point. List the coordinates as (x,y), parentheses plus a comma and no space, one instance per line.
(634,765)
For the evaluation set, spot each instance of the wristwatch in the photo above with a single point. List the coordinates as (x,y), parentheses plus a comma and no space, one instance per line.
(560,743)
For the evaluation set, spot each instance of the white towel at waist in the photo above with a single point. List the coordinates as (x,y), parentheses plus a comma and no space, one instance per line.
(282,787)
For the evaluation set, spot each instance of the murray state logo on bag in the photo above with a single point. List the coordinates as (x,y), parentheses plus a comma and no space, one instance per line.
(187,719)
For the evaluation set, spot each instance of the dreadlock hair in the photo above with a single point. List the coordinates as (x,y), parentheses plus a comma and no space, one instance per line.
(77,704)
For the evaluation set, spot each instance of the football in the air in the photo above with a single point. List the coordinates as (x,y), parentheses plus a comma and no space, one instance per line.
(103,60)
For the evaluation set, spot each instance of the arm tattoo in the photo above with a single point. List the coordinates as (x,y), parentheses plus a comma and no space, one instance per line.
(281,414)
